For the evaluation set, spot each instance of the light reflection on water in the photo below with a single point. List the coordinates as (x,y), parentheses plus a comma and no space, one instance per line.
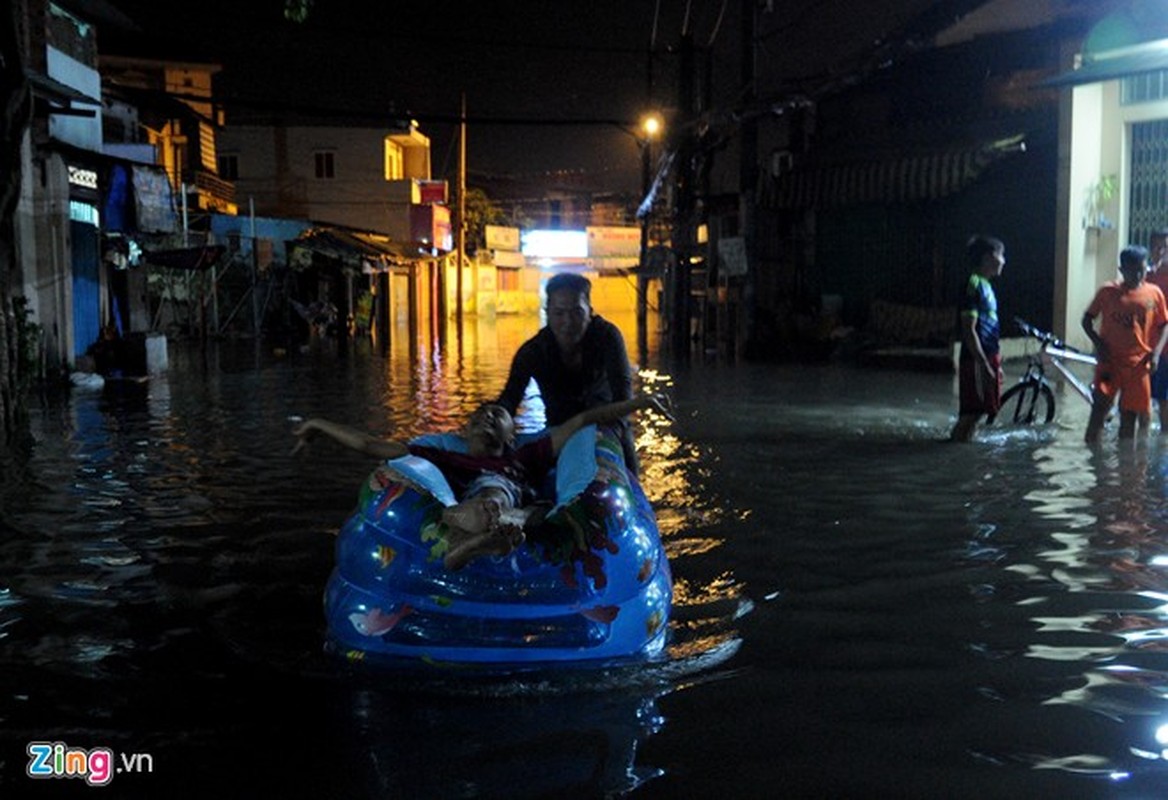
(161,534)
(987,620)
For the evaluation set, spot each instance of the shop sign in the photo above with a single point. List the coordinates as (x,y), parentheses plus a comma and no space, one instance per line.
(502,238)
(85,178)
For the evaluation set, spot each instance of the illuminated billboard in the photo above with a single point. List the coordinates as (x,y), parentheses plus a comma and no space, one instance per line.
(555,244)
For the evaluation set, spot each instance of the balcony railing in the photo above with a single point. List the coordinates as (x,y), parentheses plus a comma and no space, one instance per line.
(215,186)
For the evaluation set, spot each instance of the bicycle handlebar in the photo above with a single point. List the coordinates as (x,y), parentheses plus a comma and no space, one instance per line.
(1045,337)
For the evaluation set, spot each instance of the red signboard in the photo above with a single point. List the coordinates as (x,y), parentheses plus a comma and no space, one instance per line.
(430,225)
(431,192)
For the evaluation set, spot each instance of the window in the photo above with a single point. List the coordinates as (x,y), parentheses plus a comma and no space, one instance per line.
(84,212)
(1146,87)
(508,279)
(324,165)
(229,167)
(394,166)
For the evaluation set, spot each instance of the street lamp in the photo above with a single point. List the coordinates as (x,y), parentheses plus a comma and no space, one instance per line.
(651,127)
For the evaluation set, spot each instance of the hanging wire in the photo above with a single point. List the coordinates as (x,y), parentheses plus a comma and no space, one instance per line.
(718,24)
(653,33)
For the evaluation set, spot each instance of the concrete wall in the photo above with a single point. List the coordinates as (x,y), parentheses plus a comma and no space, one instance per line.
(45,272)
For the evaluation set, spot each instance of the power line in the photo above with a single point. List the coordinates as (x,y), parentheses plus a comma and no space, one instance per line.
(236,102)
(260,105)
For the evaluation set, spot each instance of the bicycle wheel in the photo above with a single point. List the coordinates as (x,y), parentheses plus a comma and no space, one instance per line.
(1028,404)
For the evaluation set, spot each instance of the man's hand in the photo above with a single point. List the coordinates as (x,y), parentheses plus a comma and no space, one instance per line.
(305,432)
(659,401)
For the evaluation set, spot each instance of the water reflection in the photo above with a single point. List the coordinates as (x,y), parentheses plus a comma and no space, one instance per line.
(160,537)
(570,745)
(988,620)
(1106,539)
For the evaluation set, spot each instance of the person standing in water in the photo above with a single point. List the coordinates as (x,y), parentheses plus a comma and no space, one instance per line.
(1132,331)
(980,363)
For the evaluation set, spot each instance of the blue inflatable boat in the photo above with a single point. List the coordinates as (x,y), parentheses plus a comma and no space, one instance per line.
(591,584)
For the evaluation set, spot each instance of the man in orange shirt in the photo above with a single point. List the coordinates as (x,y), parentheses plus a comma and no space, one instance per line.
(1158,275)
(1132,332)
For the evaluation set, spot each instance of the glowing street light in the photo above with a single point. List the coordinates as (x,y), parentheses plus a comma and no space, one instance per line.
(651,125)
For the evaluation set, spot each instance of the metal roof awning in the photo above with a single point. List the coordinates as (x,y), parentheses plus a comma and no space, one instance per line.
(161,103)
(53,97)
(360,251)
(55,90)
(907,178)
(1111,68)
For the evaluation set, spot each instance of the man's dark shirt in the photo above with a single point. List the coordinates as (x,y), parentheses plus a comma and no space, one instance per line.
(605,376)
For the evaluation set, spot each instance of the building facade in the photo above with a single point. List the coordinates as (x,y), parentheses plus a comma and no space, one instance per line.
(58,216)
(373,179)
(1113,181)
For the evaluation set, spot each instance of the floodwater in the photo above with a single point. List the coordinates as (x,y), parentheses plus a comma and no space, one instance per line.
(861,610)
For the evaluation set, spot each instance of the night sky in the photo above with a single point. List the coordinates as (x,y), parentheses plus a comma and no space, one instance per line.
(562,74)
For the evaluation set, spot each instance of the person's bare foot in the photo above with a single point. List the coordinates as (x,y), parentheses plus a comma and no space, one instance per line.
(476,515)
(497,542)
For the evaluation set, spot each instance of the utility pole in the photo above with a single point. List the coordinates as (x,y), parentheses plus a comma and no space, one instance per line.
(683,236)
(461,214)
(255,270)
(646,219)
(747,171)
(643,265)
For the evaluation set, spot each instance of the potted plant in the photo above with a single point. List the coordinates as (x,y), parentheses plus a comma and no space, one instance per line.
(1099,195)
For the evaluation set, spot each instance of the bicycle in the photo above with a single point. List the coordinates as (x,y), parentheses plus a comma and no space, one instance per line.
(1031,399)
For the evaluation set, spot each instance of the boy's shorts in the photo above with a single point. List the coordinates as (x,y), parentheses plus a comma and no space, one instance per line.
(1133,384)
(976,398)
(490,480)
(1160,380)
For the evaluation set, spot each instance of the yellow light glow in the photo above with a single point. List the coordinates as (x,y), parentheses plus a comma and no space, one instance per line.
(651,125)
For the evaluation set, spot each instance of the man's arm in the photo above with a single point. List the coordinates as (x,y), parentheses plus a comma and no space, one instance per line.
(608,413)
(1158,350)
(972,341)
(349,437)
(522,368)
(1088,323)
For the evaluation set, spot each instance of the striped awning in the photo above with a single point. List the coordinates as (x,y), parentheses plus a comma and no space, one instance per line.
(903,179)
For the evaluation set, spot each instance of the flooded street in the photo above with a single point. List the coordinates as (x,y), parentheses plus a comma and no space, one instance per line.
(860,610)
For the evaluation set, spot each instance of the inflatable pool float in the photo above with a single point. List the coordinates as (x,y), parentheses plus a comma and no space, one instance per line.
(591,584)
